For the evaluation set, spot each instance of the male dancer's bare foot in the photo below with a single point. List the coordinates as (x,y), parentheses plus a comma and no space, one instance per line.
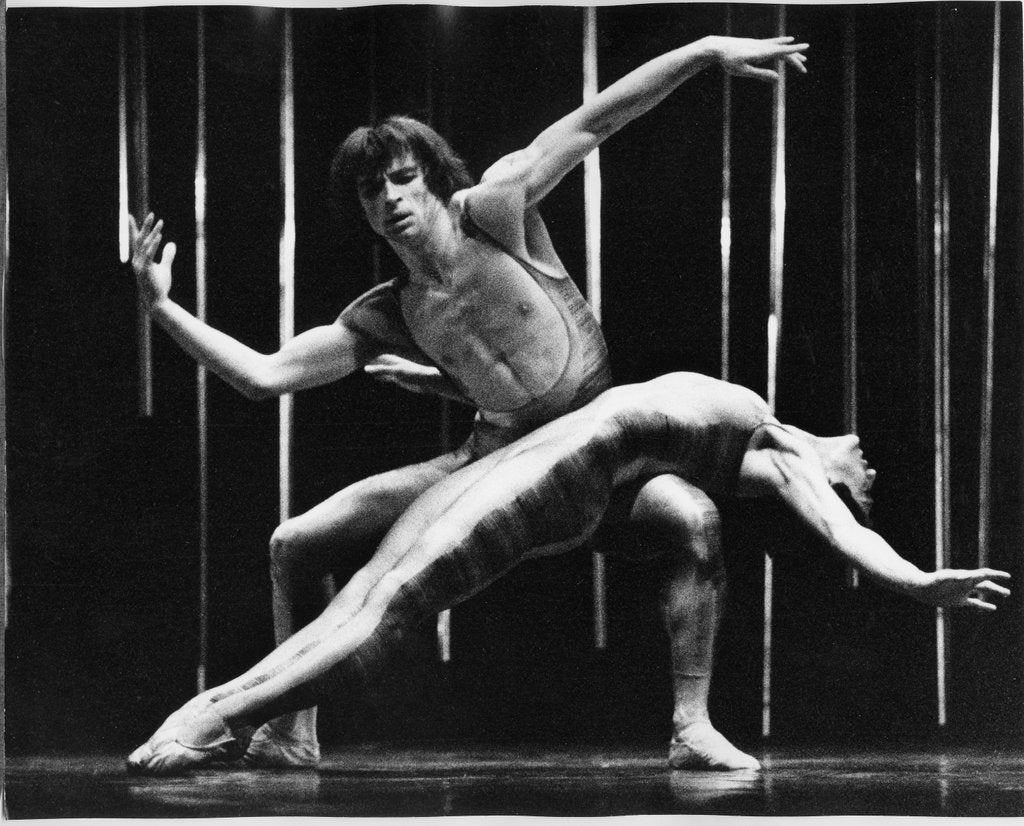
(191,737)
(288,742)
(699,747)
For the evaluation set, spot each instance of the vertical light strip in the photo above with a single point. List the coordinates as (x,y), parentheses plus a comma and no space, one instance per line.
(778,221)
(989,272)
(850,226)
(592,231)
(201,398)
(443,22)
(374,114)
(725,232)
(5,251)
(141,145)
(122,144)
(947,511)
(945,451)
(286,256)
(592,170)
(939,297)
(924,225)
(850,237)
(775,242)
(444,635)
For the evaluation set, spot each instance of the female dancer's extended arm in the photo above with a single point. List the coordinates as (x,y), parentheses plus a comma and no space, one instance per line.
(781,464)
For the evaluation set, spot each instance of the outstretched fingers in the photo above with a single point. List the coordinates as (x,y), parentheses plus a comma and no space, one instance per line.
(793,55)
(988,587)
(985,590)
(168,257)
(145,239)
(146,228)
(767,75)
(786,45)
(964,588)
(787,42)
(152,242)
(797,61)
(137,233)
(749,57)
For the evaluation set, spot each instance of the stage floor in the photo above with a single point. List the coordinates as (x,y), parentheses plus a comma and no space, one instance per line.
(396,782)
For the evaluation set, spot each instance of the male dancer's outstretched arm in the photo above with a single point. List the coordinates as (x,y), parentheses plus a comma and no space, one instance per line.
(560,147)
(317,356)
(521,179)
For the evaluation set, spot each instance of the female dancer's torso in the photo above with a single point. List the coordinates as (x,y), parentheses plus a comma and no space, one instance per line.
(687,424)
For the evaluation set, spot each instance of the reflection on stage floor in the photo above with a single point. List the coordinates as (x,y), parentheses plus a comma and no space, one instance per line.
(387,781)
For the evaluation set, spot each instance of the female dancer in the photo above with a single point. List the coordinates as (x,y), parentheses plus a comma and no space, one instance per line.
(544,494)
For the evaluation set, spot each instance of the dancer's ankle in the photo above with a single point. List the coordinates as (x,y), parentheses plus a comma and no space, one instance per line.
(686,718)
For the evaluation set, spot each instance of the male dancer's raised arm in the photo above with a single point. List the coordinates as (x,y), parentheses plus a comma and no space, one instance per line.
(538,168)
(315,357)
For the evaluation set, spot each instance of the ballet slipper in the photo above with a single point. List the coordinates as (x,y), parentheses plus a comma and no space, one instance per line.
(191,737)
(699,747)
(271,747)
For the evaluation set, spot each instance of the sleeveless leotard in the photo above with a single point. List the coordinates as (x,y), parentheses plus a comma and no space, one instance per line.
(377,315)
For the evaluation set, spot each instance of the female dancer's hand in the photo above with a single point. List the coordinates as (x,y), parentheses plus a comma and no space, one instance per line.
(412,376)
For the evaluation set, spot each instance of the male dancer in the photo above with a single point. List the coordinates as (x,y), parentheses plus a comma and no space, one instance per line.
(487,300)
(542,495)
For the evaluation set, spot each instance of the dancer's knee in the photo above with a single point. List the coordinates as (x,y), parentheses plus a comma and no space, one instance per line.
(685,522)
(698,529)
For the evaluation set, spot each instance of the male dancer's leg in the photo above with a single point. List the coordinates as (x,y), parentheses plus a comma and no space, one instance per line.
(348,525)
(671,513)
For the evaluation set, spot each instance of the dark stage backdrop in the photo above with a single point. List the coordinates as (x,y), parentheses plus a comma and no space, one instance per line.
(103,627)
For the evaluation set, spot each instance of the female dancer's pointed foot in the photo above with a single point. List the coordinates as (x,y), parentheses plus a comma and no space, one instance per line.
(699,747)
(191,737)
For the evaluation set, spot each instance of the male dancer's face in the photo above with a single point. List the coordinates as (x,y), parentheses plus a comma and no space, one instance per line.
(398,204)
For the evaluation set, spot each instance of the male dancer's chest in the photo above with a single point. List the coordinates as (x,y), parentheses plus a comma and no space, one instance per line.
(490,326)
